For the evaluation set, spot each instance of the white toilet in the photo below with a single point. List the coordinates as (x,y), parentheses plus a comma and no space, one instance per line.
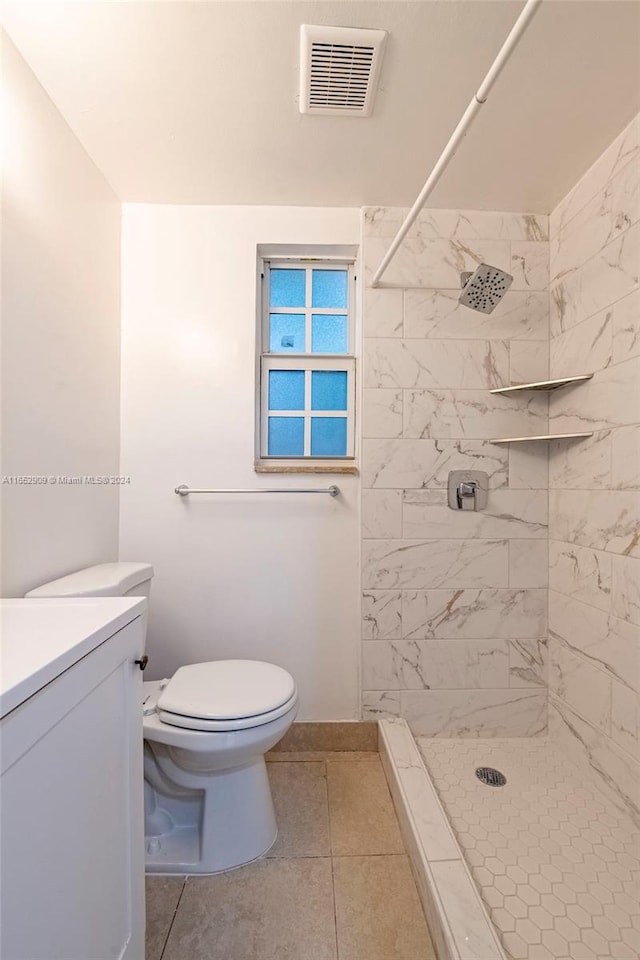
(207,798)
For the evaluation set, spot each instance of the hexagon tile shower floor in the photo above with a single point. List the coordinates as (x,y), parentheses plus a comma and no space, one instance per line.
(557,864)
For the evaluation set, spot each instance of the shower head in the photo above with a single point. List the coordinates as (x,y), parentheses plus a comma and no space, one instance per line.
(484,289)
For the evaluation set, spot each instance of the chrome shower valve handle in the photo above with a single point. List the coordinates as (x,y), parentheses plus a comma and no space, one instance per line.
(468,490)
(466,494)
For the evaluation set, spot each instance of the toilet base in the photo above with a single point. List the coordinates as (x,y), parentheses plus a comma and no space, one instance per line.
(228,824)
(179,855)
(177,851)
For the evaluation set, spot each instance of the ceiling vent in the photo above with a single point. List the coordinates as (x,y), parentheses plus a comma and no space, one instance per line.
(339,69)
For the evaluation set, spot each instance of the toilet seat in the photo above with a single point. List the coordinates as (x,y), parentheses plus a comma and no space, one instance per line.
(226,695)
(221,726)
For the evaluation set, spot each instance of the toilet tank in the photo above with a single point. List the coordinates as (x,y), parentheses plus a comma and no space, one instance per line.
(124,579)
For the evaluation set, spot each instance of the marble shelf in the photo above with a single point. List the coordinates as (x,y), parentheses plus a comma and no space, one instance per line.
(545,436)
(543,385)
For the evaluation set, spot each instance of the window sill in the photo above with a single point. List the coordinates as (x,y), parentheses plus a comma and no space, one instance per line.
(309,468)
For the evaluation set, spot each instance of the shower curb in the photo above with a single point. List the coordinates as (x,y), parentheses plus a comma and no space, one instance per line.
(459,923)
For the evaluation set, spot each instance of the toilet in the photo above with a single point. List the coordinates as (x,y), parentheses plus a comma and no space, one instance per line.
(208,805)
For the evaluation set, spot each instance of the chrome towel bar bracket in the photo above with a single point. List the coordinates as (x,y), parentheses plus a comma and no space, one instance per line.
(184,491)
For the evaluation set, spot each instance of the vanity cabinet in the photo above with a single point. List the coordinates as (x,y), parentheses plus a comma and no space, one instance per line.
(72,834)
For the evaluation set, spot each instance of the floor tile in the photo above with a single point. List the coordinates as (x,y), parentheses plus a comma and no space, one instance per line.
(545,848)
(299,792)
(378,913)
(270,910)
(361,815)
(162,896)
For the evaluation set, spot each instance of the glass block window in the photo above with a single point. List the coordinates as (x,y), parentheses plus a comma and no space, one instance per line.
(307,364)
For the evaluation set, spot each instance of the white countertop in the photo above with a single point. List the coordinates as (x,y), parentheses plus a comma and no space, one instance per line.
(41,638)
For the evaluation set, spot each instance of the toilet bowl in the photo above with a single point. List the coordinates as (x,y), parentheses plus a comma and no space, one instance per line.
(208,802)
(208,805)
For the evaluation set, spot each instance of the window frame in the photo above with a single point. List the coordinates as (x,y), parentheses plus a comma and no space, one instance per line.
(306,361)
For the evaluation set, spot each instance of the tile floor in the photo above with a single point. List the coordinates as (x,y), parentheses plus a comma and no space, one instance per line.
(335,886)
(558,866)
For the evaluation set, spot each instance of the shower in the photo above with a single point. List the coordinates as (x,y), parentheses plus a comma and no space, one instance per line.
(484,289)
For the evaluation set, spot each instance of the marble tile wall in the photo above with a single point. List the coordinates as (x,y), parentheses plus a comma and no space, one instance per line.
(454,633)
(594,496)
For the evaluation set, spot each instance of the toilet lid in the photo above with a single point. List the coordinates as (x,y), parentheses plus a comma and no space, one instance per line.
(227,689)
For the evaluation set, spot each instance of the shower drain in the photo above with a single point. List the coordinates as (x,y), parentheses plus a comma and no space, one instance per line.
(491,776)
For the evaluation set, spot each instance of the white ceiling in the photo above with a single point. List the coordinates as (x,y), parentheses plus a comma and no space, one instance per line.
(196,102)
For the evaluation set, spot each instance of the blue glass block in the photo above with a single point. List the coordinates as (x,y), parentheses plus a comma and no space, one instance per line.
(328,436)
(329,333)
(329,288)
(286,437)
(286,389)
(329,390)
(286,333)
(287,288)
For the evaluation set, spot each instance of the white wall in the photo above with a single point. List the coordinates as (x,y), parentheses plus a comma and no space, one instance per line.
(60,340)
(273,578)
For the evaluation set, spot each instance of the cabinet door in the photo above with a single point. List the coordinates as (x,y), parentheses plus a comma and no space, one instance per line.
(72,821)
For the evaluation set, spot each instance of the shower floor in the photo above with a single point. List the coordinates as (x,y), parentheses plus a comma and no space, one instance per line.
(557,865)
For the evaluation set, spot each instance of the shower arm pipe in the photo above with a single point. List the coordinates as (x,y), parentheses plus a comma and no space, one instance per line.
(477,101)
